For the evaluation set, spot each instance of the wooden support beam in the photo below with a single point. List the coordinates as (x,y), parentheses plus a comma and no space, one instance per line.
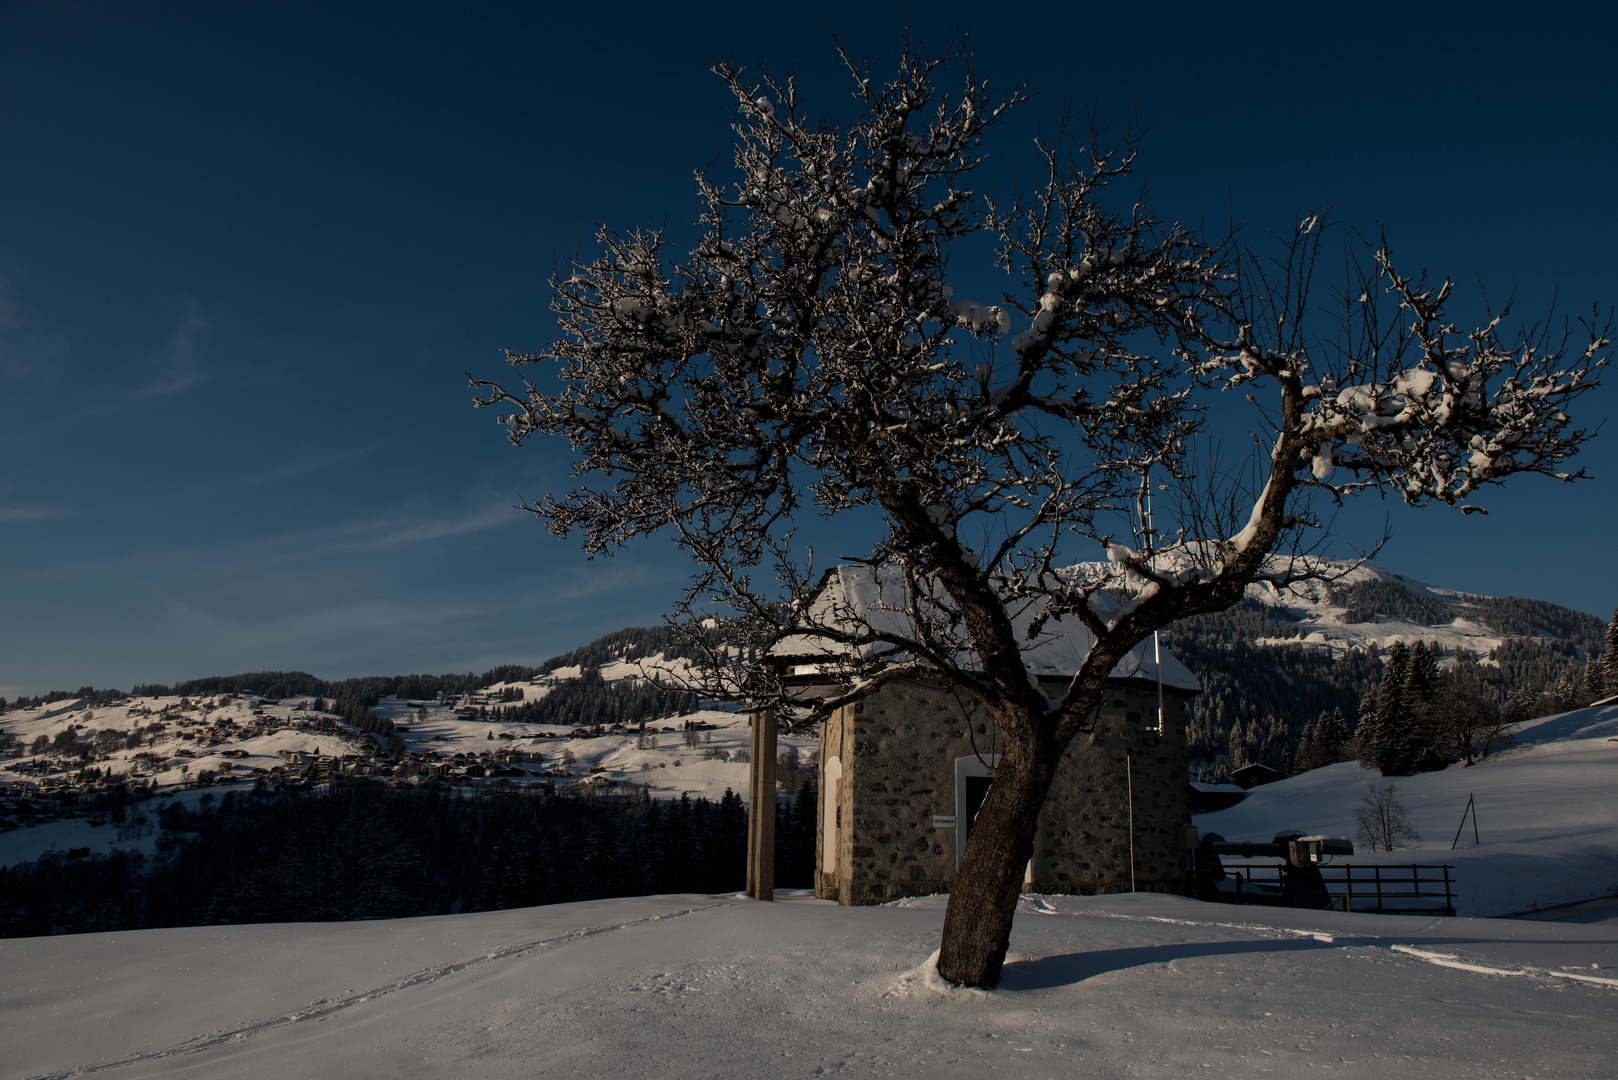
(761,809)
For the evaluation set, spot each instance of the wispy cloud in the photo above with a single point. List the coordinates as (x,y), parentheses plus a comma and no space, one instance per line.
(375,634)
(27,513)
(308,547)
(285,470)
(375,533)
(417,532)
(177,361)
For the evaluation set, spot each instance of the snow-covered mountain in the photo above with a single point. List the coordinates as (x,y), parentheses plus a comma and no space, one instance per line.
(1364,606)
(1277,660)
(214,745)
(1274,662)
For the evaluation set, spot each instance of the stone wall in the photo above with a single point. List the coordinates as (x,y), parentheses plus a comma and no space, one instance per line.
(898,750)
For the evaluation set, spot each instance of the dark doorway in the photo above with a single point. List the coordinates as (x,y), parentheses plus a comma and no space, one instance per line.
(976,788)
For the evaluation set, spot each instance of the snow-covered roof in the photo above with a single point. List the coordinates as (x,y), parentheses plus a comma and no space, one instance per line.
(856,596)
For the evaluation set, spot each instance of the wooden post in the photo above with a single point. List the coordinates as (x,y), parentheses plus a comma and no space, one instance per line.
(761,809)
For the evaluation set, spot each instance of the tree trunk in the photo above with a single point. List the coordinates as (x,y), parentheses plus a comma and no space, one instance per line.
(983,898)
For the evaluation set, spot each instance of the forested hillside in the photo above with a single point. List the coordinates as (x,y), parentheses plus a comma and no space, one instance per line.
(1268,671)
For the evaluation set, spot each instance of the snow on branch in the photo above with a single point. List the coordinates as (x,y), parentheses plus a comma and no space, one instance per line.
(807,355)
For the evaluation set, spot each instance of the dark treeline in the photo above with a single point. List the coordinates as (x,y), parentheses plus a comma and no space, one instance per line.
(589,701)
(83,693)
(365,851)
(633,643)
(1365,600)
(1257,699)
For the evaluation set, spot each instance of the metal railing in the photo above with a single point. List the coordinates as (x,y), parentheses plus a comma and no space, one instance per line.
(1383,888)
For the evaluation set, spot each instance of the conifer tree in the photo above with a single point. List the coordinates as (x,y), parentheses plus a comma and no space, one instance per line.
(1366,735)
(1609,658)
(1277,749)
(1308,756)
(1519,705)
(1427,746)
(1332,736)
(1383,746)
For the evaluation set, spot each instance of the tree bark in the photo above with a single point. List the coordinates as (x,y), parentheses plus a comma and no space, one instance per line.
(983,897)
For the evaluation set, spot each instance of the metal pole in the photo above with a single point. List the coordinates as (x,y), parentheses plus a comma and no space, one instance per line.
(1157,658)
(1470,809)
(1157,645)
(1129,778)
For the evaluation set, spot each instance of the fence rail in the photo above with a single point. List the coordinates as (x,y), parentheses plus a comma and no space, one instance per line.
(1384,888)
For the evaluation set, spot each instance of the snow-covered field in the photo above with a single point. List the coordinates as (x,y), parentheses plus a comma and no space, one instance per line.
(714,986)
(1547,815)
(185,737)
(719,986)
(666,764)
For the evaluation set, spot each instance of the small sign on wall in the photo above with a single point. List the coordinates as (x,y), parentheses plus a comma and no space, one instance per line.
(943,821)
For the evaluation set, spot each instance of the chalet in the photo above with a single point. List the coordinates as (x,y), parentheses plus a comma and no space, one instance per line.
(1251,776)
(904,769)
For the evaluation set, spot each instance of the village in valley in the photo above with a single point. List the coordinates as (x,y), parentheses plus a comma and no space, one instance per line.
(66,752)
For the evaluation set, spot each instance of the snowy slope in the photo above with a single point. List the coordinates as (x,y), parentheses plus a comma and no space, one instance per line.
(1325,622)
(705,986)
(1547,814)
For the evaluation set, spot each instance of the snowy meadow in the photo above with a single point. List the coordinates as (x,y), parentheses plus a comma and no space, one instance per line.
(719,986)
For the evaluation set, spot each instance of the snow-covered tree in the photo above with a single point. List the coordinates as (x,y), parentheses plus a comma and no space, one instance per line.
(1307,756)
(1384,728)
(817,352)
(1323,741)
(1609,658)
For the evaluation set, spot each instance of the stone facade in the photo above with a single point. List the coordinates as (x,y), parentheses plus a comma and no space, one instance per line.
(900,769)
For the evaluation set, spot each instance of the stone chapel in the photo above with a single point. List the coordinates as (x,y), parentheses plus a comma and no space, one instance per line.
(904,769)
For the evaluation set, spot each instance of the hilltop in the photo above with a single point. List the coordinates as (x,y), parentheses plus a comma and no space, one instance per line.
(1277,660)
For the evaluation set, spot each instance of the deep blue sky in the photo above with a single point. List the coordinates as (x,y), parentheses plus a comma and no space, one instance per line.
(247,252)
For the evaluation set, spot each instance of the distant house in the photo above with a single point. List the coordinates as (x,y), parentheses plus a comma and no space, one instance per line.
(1251,776)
